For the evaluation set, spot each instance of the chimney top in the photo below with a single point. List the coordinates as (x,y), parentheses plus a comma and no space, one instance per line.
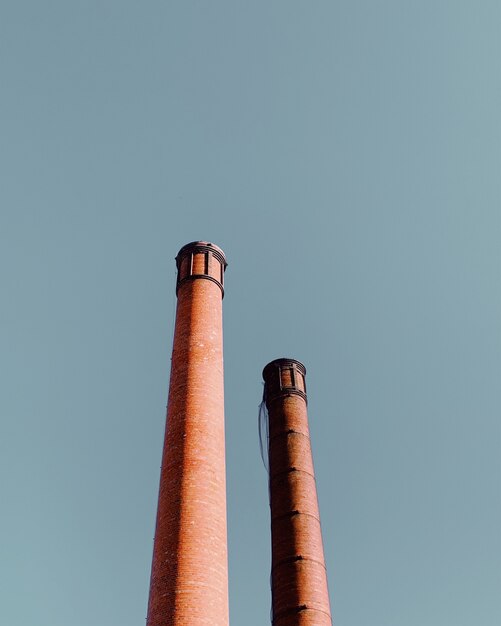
(283,362)
(200,259)
(284,377)
(202,246)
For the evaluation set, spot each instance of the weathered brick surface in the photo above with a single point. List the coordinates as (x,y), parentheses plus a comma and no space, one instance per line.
(189,579)
(299,580)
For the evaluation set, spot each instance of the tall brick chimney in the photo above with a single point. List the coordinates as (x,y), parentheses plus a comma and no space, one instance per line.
(189,576)
(298,576)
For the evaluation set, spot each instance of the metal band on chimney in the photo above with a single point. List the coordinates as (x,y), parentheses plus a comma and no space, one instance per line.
(201,259)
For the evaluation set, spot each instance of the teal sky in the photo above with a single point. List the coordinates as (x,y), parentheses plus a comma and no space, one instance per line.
(346,156)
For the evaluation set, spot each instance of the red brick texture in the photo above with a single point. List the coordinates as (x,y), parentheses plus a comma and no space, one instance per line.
(299,580)
(189,577)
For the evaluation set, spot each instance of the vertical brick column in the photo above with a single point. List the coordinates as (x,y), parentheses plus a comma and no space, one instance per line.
(189,578)
(298,577)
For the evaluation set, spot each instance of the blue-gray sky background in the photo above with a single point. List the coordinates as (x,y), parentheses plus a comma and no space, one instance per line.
(346,156)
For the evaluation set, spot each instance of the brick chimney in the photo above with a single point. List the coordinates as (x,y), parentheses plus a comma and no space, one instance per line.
(298,576)
(189,576)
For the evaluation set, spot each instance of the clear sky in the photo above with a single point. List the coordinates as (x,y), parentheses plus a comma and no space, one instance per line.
(346,156)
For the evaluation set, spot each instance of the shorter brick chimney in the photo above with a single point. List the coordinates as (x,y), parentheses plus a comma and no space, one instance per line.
(298,576)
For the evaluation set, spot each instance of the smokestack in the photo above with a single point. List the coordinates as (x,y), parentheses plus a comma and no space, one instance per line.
(298,576)
(189,576)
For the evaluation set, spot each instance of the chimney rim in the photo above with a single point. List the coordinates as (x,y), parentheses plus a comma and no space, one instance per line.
(282,362)
(202,246)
